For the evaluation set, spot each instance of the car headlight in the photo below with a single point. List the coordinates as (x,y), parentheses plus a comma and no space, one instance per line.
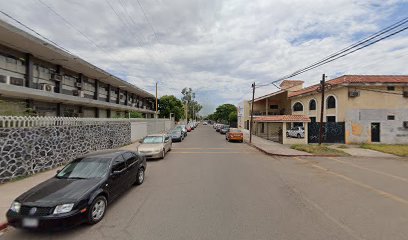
(63,208)
(15,207)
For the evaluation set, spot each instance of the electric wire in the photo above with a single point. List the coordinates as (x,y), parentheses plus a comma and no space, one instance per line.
(348,50)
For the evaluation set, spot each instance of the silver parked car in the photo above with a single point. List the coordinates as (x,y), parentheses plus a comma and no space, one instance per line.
(296,132)
(155,146)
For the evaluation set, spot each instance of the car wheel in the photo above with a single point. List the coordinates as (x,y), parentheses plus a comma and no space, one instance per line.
(163,153)
(97,210)
(140,176)
(298,135)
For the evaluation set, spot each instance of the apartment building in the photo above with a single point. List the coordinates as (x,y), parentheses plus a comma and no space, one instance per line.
(38,78)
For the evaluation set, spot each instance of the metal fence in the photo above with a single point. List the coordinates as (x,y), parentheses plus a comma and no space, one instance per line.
(26,122)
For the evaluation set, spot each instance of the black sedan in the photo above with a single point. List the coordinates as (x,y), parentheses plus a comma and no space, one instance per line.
(79,193)
(177,135)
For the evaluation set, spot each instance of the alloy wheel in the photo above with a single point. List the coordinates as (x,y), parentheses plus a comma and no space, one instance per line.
(98,209)
(140,176)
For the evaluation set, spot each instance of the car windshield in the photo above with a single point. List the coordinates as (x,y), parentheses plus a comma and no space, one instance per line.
(175,132)
(85,168)
(235,130)
(153,139)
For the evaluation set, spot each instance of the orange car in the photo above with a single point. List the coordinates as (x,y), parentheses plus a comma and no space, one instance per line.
(234,134)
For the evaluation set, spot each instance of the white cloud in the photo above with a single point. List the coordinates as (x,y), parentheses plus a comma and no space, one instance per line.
(219,47)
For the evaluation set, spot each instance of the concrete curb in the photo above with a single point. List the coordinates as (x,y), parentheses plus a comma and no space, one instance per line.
(287,155)
(3,226)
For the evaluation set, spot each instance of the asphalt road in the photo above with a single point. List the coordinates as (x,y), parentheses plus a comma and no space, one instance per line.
(207,188)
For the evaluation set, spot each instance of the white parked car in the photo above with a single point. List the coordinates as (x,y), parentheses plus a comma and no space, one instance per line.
(297,132)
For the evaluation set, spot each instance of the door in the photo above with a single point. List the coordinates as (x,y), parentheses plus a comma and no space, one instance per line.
(117,177)
(375,132)
(167,143)
(131,168)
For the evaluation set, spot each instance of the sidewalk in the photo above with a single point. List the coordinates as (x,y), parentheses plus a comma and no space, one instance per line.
(11,190)
(273,148)
(356,151)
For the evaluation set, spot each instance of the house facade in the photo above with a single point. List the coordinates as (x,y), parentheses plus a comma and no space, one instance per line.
(357,108)
(40,79)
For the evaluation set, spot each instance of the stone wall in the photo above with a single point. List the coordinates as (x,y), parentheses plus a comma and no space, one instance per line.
(25,151)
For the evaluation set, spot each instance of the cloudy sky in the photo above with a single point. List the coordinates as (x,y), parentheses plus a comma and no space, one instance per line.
(218,47)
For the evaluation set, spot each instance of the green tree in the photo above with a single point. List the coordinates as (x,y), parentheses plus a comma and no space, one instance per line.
(17,108)
(170,104)
(233,117)
(222,112)
(135,114)
(193,107)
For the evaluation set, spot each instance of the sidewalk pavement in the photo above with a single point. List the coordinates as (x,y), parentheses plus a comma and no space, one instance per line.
(11,190)
(356,151)
(273,148)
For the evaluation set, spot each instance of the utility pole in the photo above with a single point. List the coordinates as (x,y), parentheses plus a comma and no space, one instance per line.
(252,113)
(156,101)
(322,88)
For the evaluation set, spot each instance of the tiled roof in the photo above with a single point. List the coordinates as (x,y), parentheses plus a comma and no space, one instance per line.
(355,79)
(283,118)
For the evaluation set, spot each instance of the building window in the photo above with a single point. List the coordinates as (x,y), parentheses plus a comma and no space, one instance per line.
(297,107)
(390,88)
(262,127)
(331,102)
(313,119)
(17,81)
(297,124)
(331,119)
(390,117)
(312,104)
(273,106)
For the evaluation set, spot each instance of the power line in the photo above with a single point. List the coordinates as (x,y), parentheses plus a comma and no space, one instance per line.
(368,41)
(79,31)
(37,33)
(152,28)
(147,20)
(128,27)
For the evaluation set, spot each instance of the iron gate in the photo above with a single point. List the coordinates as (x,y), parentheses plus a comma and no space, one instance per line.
(333,132)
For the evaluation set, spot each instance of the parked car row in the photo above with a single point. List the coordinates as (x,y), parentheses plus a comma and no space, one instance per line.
(83,189)
(231,134)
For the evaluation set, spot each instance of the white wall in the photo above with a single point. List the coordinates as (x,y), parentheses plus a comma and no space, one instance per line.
(358,125)
(138,130)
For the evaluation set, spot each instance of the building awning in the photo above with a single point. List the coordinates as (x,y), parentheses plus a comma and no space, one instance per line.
(283,118)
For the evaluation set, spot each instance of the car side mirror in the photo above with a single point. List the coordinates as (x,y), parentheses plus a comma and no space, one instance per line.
(58,171)
(141,141)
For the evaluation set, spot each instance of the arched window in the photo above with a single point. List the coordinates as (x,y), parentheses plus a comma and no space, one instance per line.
(312,104)
(297,107)
(331,102)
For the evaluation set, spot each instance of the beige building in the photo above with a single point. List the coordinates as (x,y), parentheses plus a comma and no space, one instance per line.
(357,108)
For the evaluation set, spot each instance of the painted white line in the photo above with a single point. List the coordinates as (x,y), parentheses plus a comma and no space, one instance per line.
(360,184)
(371,170)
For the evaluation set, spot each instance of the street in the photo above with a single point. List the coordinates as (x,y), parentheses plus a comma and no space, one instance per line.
(207,188)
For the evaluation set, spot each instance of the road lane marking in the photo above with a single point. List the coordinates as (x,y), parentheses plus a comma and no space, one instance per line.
(363,185)
(214,152)
(207,148)
(371,170)
(345,228)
